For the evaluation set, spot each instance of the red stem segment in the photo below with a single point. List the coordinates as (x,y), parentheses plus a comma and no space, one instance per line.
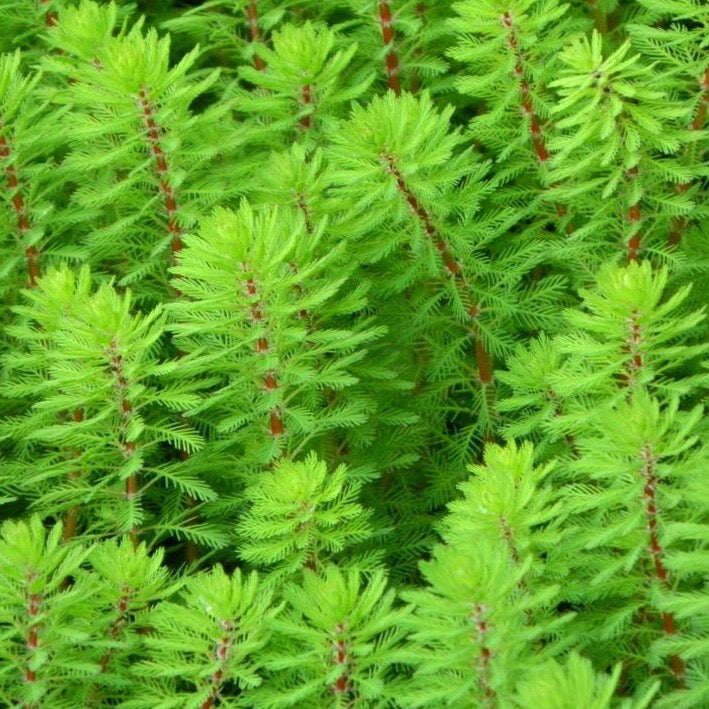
(342,687)
(598,17)
(535,125)
(534,122)
(162,167)
(153,131)
(222,655)
(306,99)
(34,601)
(270,380)
(482,628)
(51,18)
(657,553)
(632,347)
(126,410)
(509,537)
(392,59)
(303,313)
(255,31)
(118,624)
(453,268)
(18,203)
(306,210)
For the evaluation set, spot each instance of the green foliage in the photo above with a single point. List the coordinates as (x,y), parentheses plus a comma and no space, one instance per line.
(211,638)
(574,684)
(260,317)
(42,631)
(98,417)
(27,144)
(333,645)
(510,52)
(487,614)
(130,126)
(299,513)
(354,354)
(302,80)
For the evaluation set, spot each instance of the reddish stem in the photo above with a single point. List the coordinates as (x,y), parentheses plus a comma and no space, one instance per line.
(535,125)
(255,32)
(392,60)
(222,654)
(651,513)
(632,348)
(698,122)
(126,410)
(482,628)
(508,536)
(51,18)
(303,313)
(306,98)
(633,248)
(341,658)
(304,207)
(453,268)
(119,622)
(153,131)
(34,601)
(262,345)
(18,203)
(526,97)
(484,359)
(634,217)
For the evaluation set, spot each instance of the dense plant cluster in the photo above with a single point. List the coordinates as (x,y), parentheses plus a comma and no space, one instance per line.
(354,354)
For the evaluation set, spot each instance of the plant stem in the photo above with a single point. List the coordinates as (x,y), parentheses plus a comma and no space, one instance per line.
(453,268)
(50,17)
(153,131)
(34,601)
(255,31)
(222,654)
(342,686)
(634,216)
(72,515)
(651,513)
(126,411)
(482,628)
(18,203)
(306,99)
(392,59)
(270,380)
(535,126)
(599,17)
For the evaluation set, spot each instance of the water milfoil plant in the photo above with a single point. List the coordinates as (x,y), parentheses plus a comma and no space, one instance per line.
(354,354)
